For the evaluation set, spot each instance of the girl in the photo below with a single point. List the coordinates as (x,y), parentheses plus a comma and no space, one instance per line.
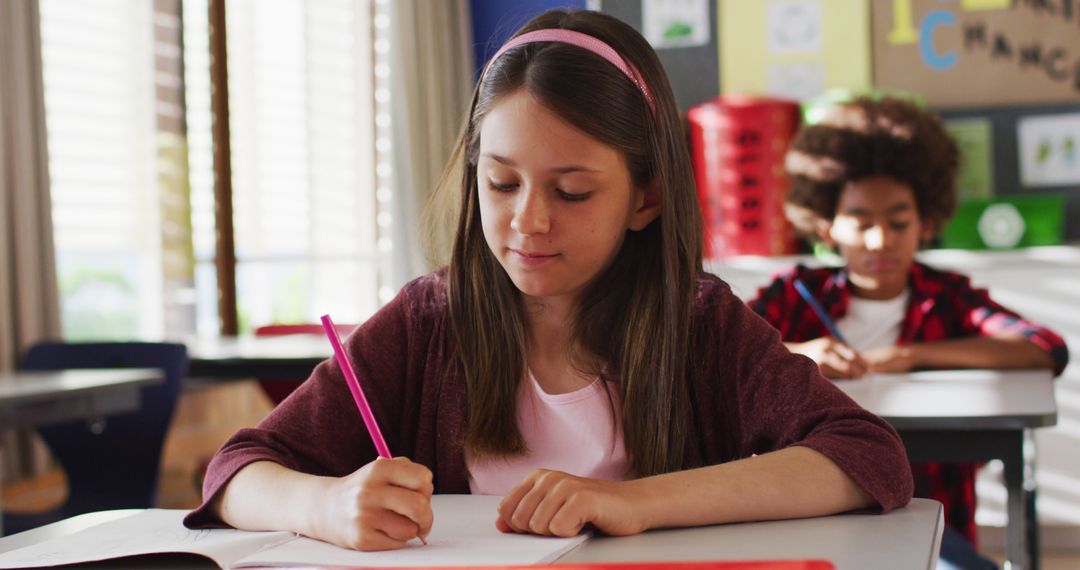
(573,356)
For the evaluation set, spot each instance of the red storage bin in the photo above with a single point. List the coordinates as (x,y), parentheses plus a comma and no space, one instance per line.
(738,145)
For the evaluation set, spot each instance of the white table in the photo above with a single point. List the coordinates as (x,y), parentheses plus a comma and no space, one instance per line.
(291,356)
(971,415)
(29,399)
(905,539)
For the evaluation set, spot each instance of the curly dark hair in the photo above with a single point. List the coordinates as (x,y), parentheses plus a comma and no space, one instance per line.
(865,138)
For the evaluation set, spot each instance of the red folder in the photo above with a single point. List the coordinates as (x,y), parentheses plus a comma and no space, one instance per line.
(702,565)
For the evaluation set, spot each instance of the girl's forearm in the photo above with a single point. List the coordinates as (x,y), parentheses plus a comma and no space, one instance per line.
(790,483)
(980,352)
(267,496)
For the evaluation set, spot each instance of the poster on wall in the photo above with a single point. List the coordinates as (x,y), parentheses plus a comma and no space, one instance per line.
(675,23)
(1048,147)
(978,52)
(974,137)
(793,49)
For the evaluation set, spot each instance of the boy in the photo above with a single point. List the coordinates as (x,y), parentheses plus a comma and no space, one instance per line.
(875,180)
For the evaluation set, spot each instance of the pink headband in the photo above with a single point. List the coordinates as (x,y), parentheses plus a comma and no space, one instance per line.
(583,41)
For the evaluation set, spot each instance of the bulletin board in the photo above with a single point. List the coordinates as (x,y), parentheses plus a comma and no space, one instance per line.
(988,125)
(971,53)
(693,70)
(794,49)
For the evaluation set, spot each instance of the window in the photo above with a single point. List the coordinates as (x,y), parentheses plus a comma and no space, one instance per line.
(98,61)
(131,161)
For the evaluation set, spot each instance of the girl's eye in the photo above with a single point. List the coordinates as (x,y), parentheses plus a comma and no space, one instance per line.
(501,186)
(899,226)
(574,197)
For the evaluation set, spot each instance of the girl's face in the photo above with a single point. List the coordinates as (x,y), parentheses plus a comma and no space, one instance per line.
(555,203)
(877,230)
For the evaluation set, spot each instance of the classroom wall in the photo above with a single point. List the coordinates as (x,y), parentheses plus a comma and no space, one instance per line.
(494,20)
(1006,166)
(693,71)
(695,78)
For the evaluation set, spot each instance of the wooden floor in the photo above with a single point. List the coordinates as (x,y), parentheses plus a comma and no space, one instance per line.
(204,420)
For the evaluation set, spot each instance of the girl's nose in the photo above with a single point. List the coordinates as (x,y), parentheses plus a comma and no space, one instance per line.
(531,216)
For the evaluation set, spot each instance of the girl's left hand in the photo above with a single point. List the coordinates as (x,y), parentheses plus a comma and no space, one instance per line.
(554,503)
(890,359)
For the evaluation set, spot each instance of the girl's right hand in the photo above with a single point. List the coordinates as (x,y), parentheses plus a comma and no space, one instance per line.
(836,359)
(381,506)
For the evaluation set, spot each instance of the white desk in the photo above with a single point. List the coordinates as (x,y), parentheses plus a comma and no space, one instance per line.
(29,399)
(971,415)
(291,356)
(905,539)
(38,398)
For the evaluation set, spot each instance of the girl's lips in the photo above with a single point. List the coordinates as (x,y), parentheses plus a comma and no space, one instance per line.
(532,258)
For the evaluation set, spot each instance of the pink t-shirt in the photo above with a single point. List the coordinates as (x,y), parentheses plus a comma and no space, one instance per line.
(572,432)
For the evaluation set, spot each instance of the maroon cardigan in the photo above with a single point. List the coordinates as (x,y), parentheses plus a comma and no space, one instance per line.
(749,395)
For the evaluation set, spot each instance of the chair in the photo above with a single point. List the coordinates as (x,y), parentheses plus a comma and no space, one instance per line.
(277,389)
(118,466)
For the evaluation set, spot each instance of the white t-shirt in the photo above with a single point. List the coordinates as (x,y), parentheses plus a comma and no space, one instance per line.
(872,324)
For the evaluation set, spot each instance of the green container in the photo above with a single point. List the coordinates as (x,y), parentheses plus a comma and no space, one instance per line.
(1007,222)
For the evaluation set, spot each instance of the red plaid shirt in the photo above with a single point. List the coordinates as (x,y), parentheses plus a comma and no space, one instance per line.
(943,305)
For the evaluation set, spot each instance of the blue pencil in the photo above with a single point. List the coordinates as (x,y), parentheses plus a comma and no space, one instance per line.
(819,310)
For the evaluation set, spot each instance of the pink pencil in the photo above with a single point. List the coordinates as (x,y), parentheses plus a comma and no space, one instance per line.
(357,393)
(354,387)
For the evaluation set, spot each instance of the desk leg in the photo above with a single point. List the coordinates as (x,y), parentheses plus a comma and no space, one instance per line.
(1021,538)
(1030,519)
(1017,552)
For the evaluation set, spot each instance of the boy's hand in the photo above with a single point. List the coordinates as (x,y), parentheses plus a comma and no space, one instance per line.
(554,503)
(380,506)
(890,359)
(836,359)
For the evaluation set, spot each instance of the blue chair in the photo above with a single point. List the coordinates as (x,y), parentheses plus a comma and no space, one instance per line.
(112,464)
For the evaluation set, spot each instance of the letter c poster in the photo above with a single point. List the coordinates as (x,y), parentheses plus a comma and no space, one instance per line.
(967,53)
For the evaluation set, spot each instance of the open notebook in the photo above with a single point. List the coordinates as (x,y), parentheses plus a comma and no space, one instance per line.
(463,534)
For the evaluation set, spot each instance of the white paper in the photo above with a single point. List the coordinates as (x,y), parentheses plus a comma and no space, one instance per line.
(149,532)
(675,23)
(463,534)
(793,27)
(1050,150)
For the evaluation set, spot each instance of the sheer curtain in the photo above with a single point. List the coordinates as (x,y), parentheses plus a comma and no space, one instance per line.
(29,310)
(431,80)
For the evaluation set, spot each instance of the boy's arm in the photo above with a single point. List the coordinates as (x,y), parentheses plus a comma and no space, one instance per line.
(988,336)
(972,352)
(834,358)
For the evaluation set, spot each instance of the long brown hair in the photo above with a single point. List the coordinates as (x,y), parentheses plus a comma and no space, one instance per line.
(634,318)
